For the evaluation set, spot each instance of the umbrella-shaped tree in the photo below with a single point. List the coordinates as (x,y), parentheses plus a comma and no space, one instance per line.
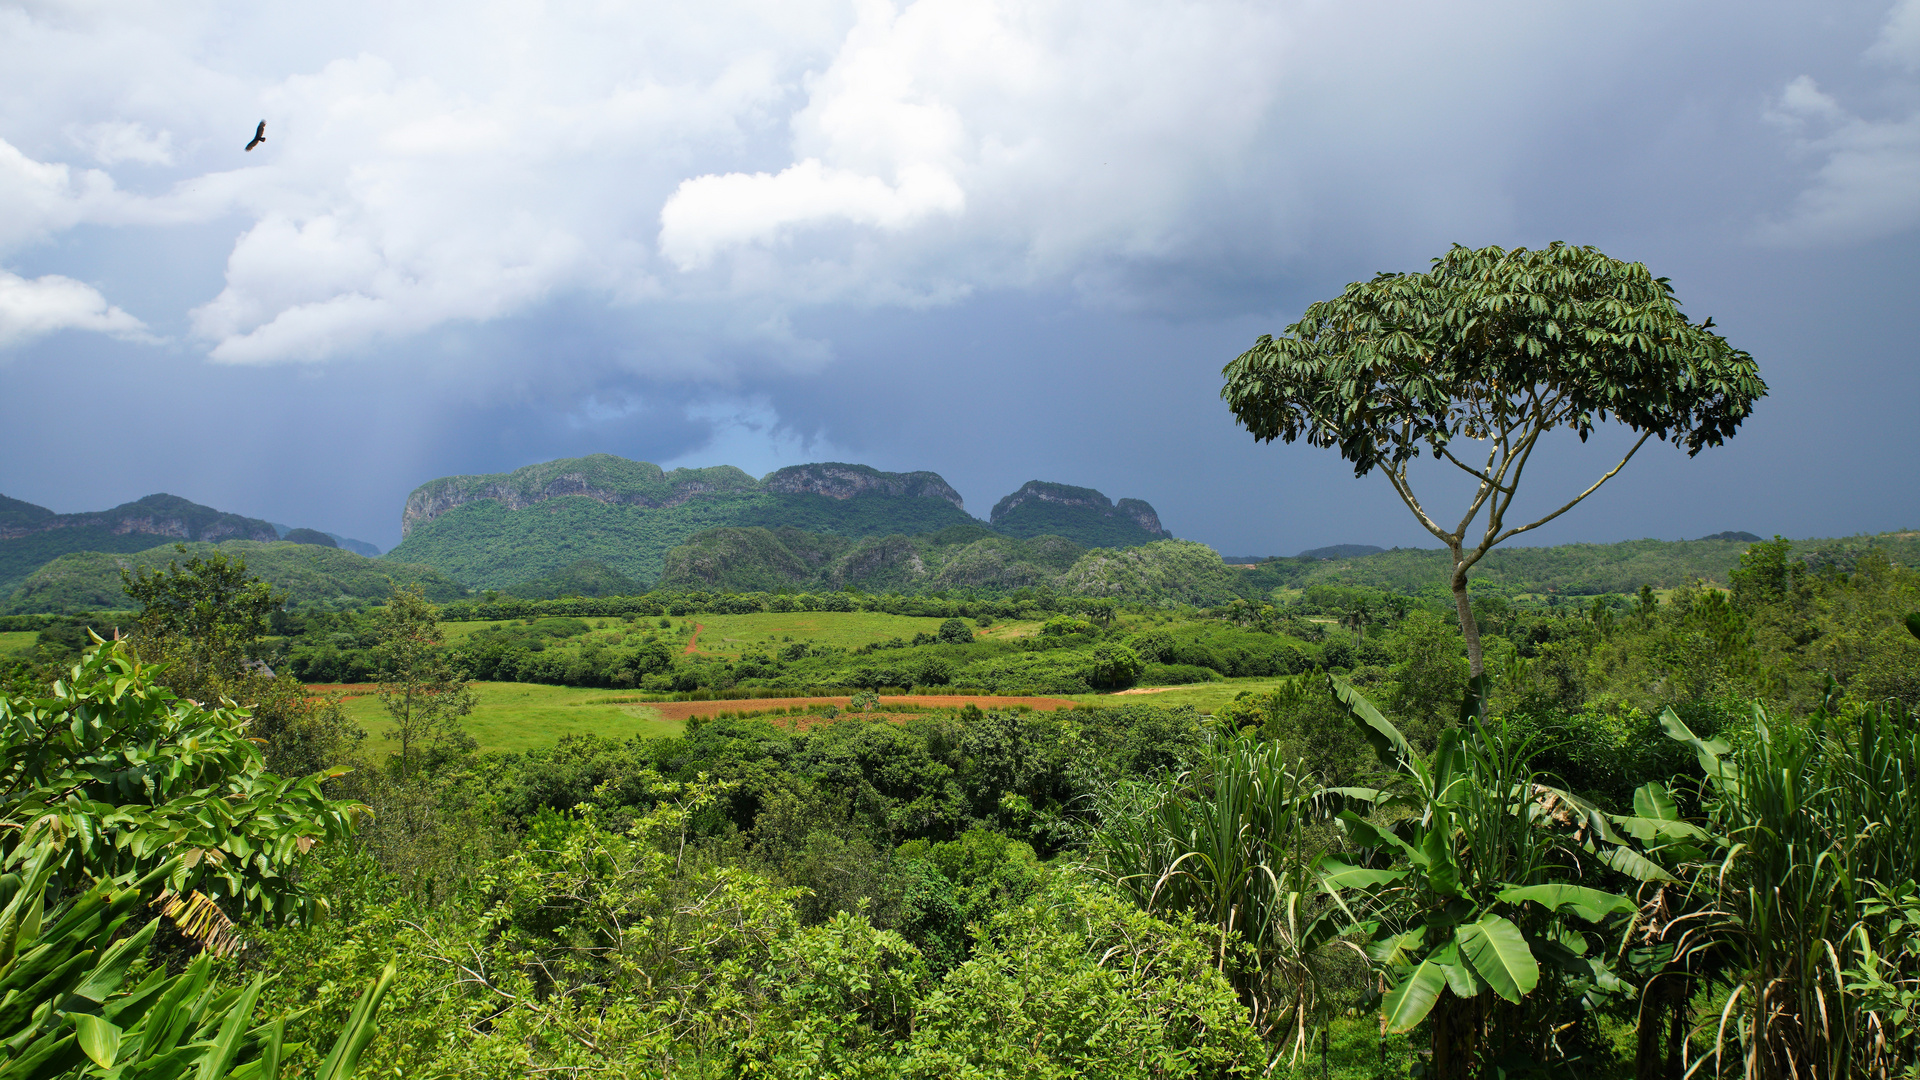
(1477,359)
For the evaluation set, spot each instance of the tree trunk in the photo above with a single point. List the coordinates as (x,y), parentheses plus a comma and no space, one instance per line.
(1456,1028)
(1468,628)
(1663,1012)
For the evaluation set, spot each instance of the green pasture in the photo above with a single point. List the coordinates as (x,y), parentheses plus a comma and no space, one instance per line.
(17,642)
(523,716)
(730,635)
(1206,697)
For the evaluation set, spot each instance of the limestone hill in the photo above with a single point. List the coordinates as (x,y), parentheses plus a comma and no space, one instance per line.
(502,530)
(1082,515)
(30,535)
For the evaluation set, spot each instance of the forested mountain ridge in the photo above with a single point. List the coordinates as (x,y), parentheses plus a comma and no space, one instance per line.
(307,573)
(501,530)
(967,557)
(32,535)
(1083,515)
(603,478)
(1570,569)
(772,560)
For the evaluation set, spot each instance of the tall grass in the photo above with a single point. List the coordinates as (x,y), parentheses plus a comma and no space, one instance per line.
(1818,820)
(1233,842)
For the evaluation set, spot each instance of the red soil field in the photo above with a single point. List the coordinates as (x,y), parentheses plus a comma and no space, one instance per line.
(351,690)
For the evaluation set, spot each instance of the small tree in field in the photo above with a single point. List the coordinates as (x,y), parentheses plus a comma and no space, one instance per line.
(1492,348)
(419,688)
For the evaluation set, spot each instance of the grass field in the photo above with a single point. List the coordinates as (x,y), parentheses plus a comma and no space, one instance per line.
(730,635)
(1205,697)
(17,642)
(521,716)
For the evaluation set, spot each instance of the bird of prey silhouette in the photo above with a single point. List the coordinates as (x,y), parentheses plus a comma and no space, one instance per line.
(259,135)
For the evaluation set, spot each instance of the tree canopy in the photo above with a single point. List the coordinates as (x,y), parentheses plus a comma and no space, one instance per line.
(1487,344)
(1499,348)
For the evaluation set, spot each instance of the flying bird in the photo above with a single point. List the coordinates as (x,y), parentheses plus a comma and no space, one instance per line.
(259,135)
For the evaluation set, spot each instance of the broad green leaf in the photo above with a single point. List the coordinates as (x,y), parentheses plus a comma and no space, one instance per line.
(1652,800)
(1341,875)
(1393,951)
(1632,863)
(1443,875)
(1391,746)
(99,1039)
(1710,752)
(106,977)
(1461,978)
(1590,904)
(1363,833)
(1498,951)
(1604,978)
(1409,1003)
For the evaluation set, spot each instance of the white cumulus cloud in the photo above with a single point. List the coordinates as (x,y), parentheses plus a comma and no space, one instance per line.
(112,142)
(438,163)
(33,307)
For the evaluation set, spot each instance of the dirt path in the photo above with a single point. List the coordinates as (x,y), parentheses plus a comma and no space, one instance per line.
(694,641)
(345,690)
(1147,690)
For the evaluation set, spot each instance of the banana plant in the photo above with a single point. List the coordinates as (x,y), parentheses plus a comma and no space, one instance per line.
(1469,886)
(65,1011)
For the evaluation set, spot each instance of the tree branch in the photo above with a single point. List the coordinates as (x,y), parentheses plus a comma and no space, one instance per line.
(1517,530)
(1479,497)
(1398,478)
(1468,469)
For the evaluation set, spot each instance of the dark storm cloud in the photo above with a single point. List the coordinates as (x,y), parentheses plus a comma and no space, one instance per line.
(1000,242)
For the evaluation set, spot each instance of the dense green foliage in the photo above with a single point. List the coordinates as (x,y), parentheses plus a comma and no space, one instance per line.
(586,577)
(963,558)
(91,581)
(488,546)
(1666,832)
(119,796)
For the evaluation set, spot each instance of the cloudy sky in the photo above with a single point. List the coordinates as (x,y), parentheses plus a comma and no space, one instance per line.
(1002,241)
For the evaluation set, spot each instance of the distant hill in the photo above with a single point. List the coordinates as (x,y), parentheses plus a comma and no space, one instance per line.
(30,535)
(499,530)
(309,536)
(586,577)
(1082,515)
(358,547)
(963,557)
(769,560)
(1341,551)
(1166,572)
(1743,537)
(90,580)
(1568,569)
